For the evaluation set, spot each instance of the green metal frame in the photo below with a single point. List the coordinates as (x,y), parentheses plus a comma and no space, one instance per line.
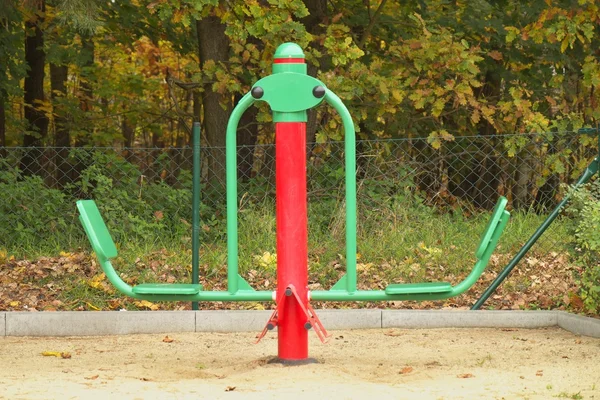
(238,289)
(289,92)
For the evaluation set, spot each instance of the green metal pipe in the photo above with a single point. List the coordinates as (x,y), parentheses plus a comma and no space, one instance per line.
(375,295)
(196,207)
(231,177)
(587,174)
(350,161)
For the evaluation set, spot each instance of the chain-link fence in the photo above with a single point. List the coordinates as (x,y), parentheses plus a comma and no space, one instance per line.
(147,192)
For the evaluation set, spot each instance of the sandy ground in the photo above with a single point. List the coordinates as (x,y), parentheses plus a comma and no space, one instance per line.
(383,364)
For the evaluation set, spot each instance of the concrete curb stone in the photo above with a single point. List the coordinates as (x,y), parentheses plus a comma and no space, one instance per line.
(96,323)
(350,319)
(467,319)
(231,320)
(578,324)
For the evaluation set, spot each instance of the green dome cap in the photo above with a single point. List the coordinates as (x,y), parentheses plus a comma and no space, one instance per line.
(289,50)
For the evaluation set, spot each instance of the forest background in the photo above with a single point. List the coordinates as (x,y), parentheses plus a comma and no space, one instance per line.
(455,103)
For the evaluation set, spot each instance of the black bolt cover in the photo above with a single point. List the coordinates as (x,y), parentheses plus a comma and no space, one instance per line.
(318,91)
(257,92)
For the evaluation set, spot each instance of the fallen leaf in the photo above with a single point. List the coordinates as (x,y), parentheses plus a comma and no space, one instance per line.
(392,333)
(230,388)
(146,304)
(465,376)
(406,370)
(92,377)
(168,340)
(539,373)
(145,379)
(61,354)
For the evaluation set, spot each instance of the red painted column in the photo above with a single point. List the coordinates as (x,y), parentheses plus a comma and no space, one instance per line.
(292,237)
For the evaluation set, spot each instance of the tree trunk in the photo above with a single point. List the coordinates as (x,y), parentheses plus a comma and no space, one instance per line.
(86,91)
(2,123)
(37,130)
(247,135)
(313,24)
(476,177)
(62,135)
(86,96)
(213,45)
(3,101)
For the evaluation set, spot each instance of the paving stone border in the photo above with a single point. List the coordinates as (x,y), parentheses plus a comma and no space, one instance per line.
(96,323)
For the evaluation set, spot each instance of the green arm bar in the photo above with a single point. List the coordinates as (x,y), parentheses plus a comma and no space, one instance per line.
(501,218)
(105,250)
(233,277)
(350,161)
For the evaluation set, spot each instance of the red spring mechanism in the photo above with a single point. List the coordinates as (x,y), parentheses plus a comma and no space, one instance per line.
(312,320)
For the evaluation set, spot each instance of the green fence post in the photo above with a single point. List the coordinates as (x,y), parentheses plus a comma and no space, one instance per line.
(196,207)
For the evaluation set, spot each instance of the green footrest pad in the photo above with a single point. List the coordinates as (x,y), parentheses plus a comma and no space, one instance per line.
(418,288)
(167,288)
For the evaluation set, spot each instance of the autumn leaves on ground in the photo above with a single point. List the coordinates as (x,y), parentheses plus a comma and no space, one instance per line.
(74,281)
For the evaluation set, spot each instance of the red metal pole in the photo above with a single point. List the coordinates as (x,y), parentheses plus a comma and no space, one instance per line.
(292,238)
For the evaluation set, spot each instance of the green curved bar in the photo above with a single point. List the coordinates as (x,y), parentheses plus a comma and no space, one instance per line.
(231,178)
(115,279)
(240,295)
(381,295)
(350,161)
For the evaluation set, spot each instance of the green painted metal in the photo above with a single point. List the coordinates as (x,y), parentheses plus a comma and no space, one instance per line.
(196,207)
(585,177)
(289,92)
(231,177)
(105,249)
(289,50)
(167,288)
(340,284)
(350,180)
(243,284)
(96,229)
(487,233)
(418,288)
(288,78)
(427,293)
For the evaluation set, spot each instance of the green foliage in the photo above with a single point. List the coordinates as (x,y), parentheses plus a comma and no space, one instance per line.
(134,209)
(585,211)
(32,211)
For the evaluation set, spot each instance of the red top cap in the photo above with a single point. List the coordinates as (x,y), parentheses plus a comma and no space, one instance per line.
(289,53)
(289,61)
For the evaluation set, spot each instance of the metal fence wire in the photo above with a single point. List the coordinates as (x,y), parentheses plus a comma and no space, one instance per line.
(148,190)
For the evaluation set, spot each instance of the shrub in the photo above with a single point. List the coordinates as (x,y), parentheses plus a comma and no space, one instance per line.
(31,213)
(585,210)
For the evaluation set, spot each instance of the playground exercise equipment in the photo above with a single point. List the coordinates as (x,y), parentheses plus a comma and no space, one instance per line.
(290,93)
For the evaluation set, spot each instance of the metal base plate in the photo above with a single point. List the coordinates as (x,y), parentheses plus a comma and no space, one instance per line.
(304,361)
